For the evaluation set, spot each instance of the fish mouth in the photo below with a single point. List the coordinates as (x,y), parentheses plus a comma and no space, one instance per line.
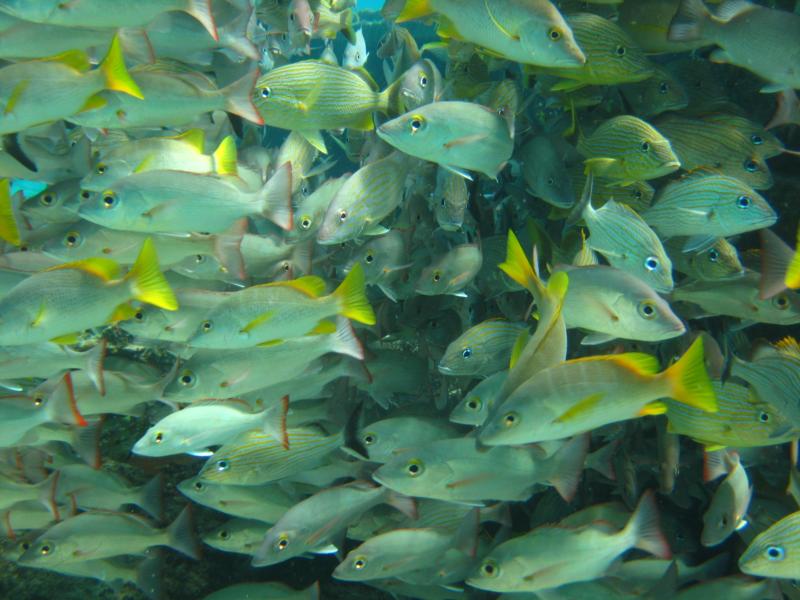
(445,370)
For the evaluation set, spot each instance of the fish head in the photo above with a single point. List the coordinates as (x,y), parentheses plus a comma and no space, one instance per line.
(300,23)
(719,262)
(509,423)
(753,170)
(411,133)
(105,173)
(358,566)
(276,99)
(413,472)
(746,209)
(54,202)
(782,308)
(162,440)
(499,573)
(147,322)
(194,488)
(644,315)
(463,357)
(339,223)
(663,92)
(420,84)
(472,409)
(550,41)
(74,244)
(49,551)
(280,543)
(650,156)
(188,384)
(768,555)
(114,207)
(654,267)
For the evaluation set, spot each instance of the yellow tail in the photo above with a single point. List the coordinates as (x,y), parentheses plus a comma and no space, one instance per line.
(688,380)
(352,294)
(792,278)
(225,157)
(147,282)
(116,74)
(8,224)
(519,268)
(414,9)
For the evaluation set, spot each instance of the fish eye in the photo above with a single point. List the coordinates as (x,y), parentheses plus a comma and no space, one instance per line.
(100,168)
(285,267)
(651,263)
(224,534)
(775,553)
(444,201)
(24,545)
(223,465)
(551,181)
(369,258)
(750,166)
(85,194)
(370,438)
(159,437)
(72,239)
(466,352)
(663,87)
(713,254)
(139,315)
(645,146)
(38,400)
(637,194)
(763,416)
(46,199)
(474,403)
(423,80)
(620,50)
(207,326)
(756,139)
(437,276)
(510,419)
(781,302)
(416,123)
(187,379)
(723,521)
(199,259)
(647,309)
(198,485)
(359,563)
(554,34)
(342,215)
(305,223)
(415,468)
(490,569)
(291,16)
(743,202)
(109,199)
(266,92)
(283,542)
(46,548)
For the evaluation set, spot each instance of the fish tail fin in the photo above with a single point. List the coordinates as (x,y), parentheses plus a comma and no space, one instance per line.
(688,23)
(584,203)
(147,282)
(345,340)
(225,157)
(776,257)
(235,36)
(520,269)
(715,464)
(275,197)
(148,576)
(115,73)
(9,231)
(414,9)
(786,112)
(389,99)
(95,363)
(602,460)
(239,98)
(228,249)
(181,536)
(346,22)
(86,443)
(688,379)
(645,528)
(48,494)
(151,497)
(352,295)
(201,10)
(792,279)
(566,466)
(62,406)
(405,504)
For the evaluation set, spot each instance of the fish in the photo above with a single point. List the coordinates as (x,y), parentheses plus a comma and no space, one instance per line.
(481,350)
(262,503)
(451,272)
(732,28)
(580,394)
(719,261)
(660,93)
(771,554)
(383,439)
(528,33)
(476,404)
(356,55)
(449,200)
(726,512)
(460,136)
(545,172)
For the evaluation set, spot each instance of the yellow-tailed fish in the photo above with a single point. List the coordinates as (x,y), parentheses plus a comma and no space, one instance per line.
(584,393)
(529,32)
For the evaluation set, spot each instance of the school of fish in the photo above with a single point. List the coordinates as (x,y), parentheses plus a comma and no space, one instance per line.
(447,299)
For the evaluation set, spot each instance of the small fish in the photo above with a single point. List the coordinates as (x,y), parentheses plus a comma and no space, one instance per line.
(582,394)
(267,591)
(730,502)
(240,536)
(545,172)
(476,405)
(660,93)
(356,55)
(451,272)
(383,439)
(262,503)
(736,28)
(773,553)
(449,200)
(719,261)
(482,349)
(460,136)
(528,562)
(300,23)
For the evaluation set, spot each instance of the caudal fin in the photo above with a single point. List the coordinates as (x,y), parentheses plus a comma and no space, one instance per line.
(276,197)
(414,9)
(687,24)
(689,381)
(9,231)
(519,268)
(225,157)
(150,497)
(239,98)
(566,466)
(201,10)
(645,528)
(792,279)
(181,536)
(776,257)
(352,295)
(228,249)
(115,74)
(147,282)
(345,340)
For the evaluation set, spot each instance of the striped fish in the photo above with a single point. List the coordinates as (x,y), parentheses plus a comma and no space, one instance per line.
(481,350)
(743,420)
(627,149)
(708,205)
(719,261)
(776,551)
(449,200)
(702,144)
(612,57)
(655,95)
(311,95)
(638,195)
(367,197)
(621,235)
(764,143)
(255,457)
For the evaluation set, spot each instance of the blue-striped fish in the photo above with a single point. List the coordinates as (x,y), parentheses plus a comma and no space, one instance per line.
(704,144)
(449,199)
(776,551)
(482,349)
(626,149)
(311,95)
(622,236)
(704,206)
(612,57)
(764,143)
(364,200)
(718,261)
